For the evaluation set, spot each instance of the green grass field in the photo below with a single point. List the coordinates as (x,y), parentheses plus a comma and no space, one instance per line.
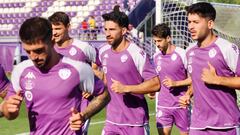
(20,125)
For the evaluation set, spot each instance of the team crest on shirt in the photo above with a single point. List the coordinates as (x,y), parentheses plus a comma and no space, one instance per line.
(124,58)
(64,73)
(29,84)
(159,113)
(174,57)
(212,53)
(28,95)
(73,51)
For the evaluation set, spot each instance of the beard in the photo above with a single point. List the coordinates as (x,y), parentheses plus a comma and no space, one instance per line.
(116,42)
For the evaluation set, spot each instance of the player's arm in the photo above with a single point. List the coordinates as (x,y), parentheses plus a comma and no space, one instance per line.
(210,76)
(184,100)
(171,83)
(11,106)
(148,86)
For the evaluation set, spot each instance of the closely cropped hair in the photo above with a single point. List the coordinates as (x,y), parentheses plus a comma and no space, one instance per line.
(161,30)
(59,17)
(203,9)
(118,17)
(36,29)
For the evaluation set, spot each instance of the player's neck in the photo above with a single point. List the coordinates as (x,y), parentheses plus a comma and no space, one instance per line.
(207,41)
(122,46)
(65,42)
(54,60)
(170,49)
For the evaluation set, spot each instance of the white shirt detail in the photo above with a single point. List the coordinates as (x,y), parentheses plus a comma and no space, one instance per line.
(64,73)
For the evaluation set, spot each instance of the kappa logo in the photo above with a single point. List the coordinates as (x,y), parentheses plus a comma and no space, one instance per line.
(105,56)
(64,73)
(191,53)
(30,75)
(73,51)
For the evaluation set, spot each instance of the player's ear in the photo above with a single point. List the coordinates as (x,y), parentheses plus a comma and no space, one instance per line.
(168,39)
(124,31)
(210,24)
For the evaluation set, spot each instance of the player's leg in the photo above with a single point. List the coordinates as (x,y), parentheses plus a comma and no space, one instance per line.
(182,120)
(164,121)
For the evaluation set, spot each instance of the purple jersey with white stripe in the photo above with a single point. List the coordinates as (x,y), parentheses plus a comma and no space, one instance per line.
(214,106)
(173,66)
(79,50)
(50,96)
(130,67)
(4,82)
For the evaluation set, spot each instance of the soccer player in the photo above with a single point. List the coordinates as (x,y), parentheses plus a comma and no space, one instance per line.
(4,84)
(129,75)
(51,85)
(171,64)
(73,48)
(214,66)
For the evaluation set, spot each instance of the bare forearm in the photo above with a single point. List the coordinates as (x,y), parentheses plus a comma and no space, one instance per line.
(96,105)
(185,82)
(232,82)
(149,86)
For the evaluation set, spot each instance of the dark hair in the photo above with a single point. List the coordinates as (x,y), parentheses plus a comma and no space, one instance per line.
(161,30)
(118,17)
(36,29)
(59,17)
(203,9)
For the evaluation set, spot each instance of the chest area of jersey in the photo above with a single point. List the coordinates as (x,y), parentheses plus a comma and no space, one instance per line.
(59,84)
(72,52)
(118,63)
(168,64)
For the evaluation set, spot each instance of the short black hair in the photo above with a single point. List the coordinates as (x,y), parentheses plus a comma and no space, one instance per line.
(203,9)
(118,17)
(59,17)
(161,30)
(36,29)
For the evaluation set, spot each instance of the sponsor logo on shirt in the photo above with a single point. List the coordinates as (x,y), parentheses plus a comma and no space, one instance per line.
(159,68)
(30,75)
(212,53)
(73,51)
(174,57)
(189,69)
(64,73)
(124,58)
(28,95)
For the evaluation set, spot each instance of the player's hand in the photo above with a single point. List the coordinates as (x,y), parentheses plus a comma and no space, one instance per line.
(151,95)
(168,82)
(86,95)
(117,86)
(184,101)
(13,103)
(209,75)
(76,120)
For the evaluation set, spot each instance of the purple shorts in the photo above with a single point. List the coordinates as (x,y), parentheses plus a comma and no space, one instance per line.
(111,129)
(166,117)
(232,131)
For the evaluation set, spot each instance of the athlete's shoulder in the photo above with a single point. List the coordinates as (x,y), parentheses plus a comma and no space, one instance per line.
(135,50)
(191,46)
(104,47)
(80,44)
(24,64)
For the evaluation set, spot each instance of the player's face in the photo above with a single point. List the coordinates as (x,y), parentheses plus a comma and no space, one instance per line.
(39,53)
(114,33)
(60,32)
(162,43)
(199,27)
